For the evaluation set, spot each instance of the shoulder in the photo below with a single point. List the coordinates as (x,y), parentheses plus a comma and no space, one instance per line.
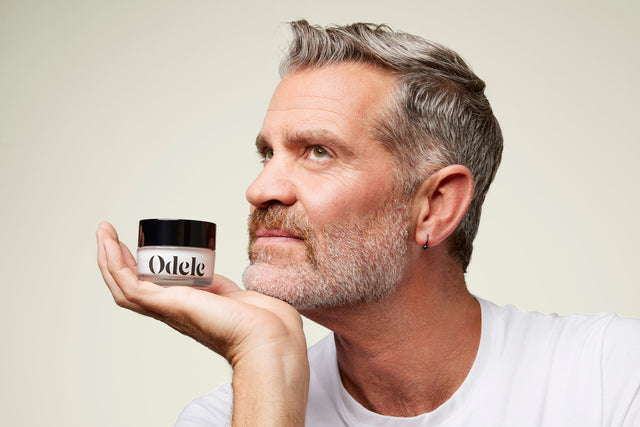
(575,330)
(622,333)
(620,367)
(590,359)
(214,409)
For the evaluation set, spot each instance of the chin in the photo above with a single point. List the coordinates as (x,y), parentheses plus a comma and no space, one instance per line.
(273,281)
(308,290)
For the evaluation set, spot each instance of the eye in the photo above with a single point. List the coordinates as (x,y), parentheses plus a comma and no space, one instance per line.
(318,152)
(267,154)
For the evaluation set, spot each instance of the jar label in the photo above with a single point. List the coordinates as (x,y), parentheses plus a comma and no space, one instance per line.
(181,262)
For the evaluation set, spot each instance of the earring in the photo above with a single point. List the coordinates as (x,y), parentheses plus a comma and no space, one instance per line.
(426,244)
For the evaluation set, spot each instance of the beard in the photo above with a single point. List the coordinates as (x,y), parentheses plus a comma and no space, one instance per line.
(342,263)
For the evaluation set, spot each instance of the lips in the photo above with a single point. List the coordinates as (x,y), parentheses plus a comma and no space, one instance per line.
(276,233)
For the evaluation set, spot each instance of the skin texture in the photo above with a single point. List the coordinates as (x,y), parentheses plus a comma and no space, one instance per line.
(353,177)
(321,164)
(334,187)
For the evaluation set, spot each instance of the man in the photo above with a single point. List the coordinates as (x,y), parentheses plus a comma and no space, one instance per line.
(378,150)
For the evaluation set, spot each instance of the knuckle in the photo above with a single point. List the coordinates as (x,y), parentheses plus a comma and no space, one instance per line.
(131,296)
(121,301)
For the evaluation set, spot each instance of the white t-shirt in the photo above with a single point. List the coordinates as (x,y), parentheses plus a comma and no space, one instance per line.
(530,370)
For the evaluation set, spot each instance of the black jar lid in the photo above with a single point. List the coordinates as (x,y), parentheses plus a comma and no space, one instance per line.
(177,232)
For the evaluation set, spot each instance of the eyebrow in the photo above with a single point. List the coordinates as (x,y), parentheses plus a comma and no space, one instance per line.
(261,143)
(304,137)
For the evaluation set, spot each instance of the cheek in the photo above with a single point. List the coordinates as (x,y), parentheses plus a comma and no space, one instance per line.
(329,201)
(326,208)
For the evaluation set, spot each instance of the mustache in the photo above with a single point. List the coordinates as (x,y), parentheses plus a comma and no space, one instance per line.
(279,217)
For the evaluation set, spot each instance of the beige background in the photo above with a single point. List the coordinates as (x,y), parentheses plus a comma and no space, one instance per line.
(119,110)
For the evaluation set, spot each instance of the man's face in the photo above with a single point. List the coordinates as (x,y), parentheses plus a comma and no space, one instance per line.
(328,225)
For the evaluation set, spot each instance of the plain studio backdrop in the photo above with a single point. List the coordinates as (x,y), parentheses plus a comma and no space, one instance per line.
(121,110)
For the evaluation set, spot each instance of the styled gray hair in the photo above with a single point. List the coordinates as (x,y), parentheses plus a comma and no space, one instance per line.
(437,116)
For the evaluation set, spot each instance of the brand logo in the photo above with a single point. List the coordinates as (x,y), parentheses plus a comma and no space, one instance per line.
(158,264)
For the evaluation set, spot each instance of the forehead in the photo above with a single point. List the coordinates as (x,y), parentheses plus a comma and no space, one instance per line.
(342,99)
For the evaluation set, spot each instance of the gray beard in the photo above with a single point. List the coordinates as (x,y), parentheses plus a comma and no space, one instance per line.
(343,264)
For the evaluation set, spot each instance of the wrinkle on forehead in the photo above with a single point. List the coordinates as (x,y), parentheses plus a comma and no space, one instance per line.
(331,98)
(304,108)
(327,104)
(344,98)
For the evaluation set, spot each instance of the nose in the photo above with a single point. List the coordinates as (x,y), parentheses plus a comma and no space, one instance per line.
(272,186)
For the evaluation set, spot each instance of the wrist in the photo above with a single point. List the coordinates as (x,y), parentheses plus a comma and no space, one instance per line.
(285,363)
(271,387)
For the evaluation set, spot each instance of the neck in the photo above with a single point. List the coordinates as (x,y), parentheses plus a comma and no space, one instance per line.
(407,354)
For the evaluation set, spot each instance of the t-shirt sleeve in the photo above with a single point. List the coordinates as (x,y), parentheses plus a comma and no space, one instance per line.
(214,409)
(621,372)
(632,418)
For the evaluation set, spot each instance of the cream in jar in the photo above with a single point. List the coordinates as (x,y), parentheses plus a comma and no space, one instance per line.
(177,252)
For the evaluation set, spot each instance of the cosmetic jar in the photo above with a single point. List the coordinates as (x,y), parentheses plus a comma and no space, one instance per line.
(175,252)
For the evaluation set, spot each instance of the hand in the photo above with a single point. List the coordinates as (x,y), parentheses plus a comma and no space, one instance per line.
(260,336)
(228,320)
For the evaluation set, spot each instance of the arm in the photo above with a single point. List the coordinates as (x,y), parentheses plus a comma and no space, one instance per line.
(260,336)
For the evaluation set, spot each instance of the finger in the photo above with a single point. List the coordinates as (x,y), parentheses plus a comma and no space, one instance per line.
(222,285)
(123,278)
(102,258)
(110,230)
(103,236)
(128,258)
(120,279)
(216,321)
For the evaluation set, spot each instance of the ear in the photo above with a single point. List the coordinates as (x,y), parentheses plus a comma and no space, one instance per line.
(440,203)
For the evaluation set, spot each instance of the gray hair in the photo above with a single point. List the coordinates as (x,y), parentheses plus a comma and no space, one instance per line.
(438,114)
